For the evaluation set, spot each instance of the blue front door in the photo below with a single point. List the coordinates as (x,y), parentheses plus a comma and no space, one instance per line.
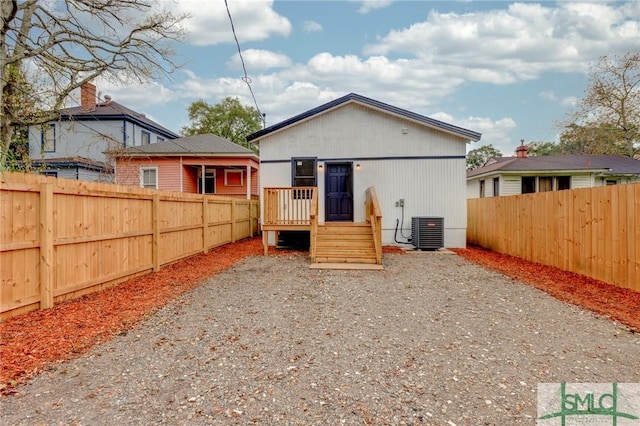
(339,192)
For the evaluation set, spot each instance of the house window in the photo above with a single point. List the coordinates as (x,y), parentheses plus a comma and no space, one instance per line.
(496,187)
(528,184)
(209,181)
(303,173)
(611,182)
(149,177)
(160,139)
(146,138)
(49,173)
(233,178)
(48,137)
(563,182)
(482,189)
(545,183)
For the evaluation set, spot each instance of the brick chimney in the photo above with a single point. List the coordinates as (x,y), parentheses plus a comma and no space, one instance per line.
(88,97)
(522,150)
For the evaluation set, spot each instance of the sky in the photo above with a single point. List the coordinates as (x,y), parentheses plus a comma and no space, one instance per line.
(508,70)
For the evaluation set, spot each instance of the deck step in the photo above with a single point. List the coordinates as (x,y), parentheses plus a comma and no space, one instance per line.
(346,244)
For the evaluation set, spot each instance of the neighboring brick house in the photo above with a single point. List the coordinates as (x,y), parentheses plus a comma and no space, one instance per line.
(197,164)
(523,174)
(74,145)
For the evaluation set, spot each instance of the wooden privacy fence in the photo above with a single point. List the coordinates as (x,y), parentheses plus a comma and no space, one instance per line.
(591,231)
(60,239)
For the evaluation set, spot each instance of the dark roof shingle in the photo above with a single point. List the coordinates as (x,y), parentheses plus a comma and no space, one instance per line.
(205,144)
(614,164)
(353,97)
(114,111)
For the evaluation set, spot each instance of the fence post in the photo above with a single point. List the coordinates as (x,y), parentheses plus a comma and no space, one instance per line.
(155,256)
(47,266)
(205,224)
(233,220)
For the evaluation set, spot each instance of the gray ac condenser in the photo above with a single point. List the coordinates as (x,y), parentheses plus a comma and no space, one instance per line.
(427,233)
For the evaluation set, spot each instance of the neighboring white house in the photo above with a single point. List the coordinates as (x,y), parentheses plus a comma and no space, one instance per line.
(74,146)
(523,174)
(415,163)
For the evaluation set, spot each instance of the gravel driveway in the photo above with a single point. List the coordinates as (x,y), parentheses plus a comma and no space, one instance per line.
(432,339)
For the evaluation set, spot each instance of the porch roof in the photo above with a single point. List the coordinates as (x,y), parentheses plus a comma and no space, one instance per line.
(207,145)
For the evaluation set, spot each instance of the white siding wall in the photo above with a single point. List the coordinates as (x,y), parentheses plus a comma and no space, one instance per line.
(511,185)
(582,181)
(87,139)
(430,187)
(473,188)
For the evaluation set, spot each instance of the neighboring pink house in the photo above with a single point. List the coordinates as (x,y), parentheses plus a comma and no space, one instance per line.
(197,164)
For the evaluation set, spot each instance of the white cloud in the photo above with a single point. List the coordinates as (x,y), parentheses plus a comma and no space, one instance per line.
(548,95)
(257,60)
(569,101)
(367,6)
(209,22)
(311,27)
(135,97)
(494,132)
(517,43)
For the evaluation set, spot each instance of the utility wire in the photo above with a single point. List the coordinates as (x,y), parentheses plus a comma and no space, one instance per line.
(105,136)
(246,77)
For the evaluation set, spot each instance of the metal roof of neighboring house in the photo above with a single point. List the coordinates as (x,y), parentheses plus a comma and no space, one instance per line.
(114,111)
(613,164)
(353,97)
(207,144)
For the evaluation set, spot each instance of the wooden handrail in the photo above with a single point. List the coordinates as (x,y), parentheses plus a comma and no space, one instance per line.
(313,217)
(289,205)
(374,217)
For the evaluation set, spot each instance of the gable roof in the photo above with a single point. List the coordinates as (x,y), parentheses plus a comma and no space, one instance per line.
(371,103)
(611,164)
(114,111)
(196,145)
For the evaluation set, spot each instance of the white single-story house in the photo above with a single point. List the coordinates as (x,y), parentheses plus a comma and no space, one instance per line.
(523,174)
(415,163)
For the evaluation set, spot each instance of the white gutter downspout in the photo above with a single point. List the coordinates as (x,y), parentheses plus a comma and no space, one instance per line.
(181,173)
(202,179)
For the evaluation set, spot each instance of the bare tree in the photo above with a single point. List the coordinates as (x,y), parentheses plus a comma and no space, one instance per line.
(611,101)
(69,42)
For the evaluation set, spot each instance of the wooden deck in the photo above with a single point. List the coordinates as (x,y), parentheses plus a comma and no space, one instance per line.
(333,245)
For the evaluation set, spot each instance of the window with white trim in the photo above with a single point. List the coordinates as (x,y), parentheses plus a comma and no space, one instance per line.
(149,177)
(48,137)
(146,138)
(233,178)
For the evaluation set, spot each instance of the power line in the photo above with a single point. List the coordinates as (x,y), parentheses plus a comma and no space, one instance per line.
(246,77)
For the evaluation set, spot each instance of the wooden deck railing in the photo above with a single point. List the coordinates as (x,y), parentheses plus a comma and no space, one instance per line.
(289,206)
(374,217)
(290,209)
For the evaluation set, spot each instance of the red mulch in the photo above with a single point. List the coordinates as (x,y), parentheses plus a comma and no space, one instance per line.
(31,341)
(619,304)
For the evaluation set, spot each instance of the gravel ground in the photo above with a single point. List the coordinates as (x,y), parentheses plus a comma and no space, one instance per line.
(432,339)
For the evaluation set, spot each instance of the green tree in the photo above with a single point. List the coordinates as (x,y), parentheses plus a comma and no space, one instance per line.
(597,139)
(228,119)
(70,42)
(609,111)
(479,157)
(538,149)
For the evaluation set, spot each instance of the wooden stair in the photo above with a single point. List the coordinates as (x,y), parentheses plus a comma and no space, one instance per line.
(345,245)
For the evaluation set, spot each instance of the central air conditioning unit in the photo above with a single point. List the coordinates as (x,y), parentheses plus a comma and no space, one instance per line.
(427,233)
